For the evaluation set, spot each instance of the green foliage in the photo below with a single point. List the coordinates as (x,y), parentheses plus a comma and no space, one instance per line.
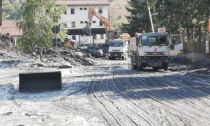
(118,24)
(39,16)
(178,16)
(11,9)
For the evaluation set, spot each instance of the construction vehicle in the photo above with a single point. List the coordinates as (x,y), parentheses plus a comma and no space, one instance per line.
(150,50)
(117,41)
(111,34)
(118,48)
(70,43)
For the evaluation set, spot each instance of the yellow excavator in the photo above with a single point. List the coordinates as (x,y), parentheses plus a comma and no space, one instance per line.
(69,43)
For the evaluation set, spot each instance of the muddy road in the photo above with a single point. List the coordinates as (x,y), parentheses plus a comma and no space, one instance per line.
(110,93)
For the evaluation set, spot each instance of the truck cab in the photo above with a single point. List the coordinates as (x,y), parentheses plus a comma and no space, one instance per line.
(118,48)
(150,50)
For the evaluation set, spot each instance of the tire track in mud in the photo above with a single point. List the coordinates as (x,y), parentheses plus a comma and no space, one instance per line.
(149,117)
(98,104)
(10,82)
(106,86)
(201,100)
(188,104)
(167,104)
(189,91)
(194,115)
(130,107)
(67,102)
(113,112)
(197,87)
(189,82)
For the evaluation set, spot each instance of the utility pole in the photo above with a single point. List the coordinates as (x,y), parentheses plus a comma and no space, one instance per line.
(0,12)
(150,16)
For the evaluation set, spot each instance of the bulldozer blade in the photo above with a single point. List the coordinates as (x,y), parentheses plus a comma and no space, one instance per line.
(40,81)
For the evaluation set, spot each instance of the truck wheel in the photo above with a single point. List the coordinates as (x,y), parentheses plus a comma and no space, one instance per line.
(165,67)
(133,67)
(155,68)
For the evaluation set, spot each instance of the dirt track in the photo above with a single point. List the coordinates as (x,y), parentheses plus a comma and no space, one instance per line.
(108,93)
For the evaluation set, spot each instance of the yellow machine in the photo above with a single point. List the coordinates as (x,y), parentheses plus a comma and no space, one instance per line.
(68,44)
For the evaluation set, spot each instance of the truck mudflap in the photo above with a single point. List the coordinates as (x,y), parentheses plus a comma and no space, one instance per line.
(40,81)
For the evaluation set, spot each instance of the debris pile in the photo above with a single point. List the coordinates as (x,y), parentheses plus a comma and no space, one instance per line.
(5,40)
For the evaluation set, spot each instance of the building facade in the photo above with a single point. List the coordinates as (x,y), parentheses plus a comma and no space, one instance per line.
(76,18)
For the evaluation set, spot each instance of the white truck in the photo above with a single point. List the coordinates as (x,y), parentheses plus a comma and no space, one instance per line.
(118,48)
(150,50)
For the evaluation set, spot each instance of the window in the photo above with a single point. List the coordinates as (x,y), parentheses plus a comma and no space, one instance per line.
(74,37)
(85,8)
(81,22)
(116,44)
(72,11)
(73,24)
(81,8)
(100,10)
(94,21)
(154,40)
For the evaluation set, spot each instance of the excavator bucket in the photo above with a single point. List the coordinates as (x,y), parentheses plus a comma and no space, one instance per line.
(41,81)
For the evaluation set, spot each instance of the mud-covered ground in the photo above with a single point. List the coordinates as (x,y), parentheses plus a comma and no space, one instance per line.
(99,92)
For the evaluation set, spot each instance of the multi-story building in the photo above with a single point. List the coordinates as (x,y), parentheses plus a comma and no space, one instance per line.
(76,16)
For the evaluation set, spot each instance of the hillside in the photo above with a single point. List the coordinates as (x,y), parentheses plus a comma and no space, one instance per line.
(117,11)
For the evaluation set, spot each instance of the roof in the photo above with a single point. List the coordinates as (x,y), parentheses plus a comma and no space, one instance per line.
(82,2)
(9,26)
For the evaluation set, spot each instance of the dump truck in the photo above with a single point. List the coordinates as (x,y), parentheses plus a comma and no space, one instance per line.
(118,48)
(150,50)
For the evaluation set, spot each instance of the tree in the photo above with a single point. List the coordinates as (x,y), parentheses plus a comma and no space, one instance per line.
(178,16)
(11,9)
(183,16)
(139,19)
(39,16)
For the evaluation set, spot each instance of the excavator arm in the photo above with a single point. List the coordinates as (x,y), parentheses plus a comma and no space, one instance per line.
(111,34)
(105,21)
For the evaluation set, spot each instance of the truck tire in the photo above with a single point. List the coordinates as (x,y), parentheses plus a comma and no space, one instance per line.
(165,66)
(133,67)
(139,67)
(155,68)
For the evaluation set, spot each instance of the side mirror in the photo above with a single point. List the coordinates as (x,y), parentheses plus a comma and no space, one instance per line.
(172,47)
